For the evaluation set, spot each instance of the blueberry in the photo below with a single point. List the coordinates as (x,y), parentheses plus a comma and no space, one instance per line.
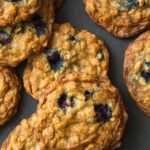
(62,101)
(73,39)
(129,4)
(5,38)
(103,112)
(147,63)
(54,59)
(38,23)
(145,75)
(88,95)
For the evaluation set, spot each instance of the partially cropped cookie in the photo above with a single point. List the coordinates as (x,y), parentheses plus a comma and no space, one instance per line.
(78,111)
(9,94)
(58,3)
(15,11)
(68,50)
(18,42)
(137,71)
(122,18)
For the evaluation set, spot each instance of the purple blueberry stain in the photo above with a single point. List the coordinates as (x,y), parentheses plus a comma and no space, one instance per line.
(5,38)
(39,25)
(65,101)
(103,112)
(88,95)
(54,59)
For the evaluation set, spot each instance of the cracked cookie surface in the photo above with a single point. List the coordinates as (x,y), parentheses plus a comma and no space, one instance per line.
(68,50)
(137,71)
(9,94)
(122,18)
(18,42)
(78,111)
(15,11)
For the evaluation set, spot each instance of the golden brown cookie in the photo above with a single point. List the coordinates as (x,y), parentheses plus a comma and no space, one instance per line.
(68,50)
(137,71)
(78,111)
(122,18)
(58,3)
(9,94)
(18,42)
(15,11)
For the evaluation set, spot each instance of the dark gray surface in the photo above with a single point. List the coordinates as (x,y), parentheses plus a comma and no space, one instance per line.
(137,132)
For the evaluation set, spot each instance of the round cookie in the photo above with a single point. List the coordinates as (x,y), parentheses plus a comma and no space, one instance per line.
(58,3)
(15,11)
(78,111)
(9,94)
(122,18)
(18,42)
(137,71)
(68,50)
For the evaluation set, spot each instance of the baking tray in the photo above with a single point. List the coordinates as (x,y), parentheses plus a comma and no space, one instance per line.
(137,133)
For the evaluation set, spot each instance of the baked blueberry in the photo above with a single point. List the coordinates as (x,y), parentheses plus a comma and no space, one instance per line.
(147,63)
(88,95)
(145,75)
(4,38)
(54,59)
(65,101)
(103,112)
(38,23)
(73,39)
(130,4)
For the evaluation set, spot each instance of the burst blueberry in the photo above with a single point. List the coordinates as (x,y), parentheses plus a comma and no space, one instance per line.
(73,39)
(130,4)
(88,95)
(54,59)
(147,63)
(145,75)
(103,112)
(38,23)
(5,38)
(65,101)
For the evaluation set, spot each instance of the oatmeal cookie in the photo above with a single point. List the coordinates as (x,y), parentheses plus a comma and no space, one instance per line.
(68,50)
(18,42)
(9,94)
(78,111)
(58,3)
(15,11)
(137,71)
(122,18)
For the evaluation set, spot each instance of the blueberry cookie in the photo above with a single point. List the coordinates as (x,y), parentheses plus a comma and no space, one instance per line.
(78,111)
(58,3)
(15,11)
(18,42)
(9,94)
(68,50)
(122,18)
(137,71)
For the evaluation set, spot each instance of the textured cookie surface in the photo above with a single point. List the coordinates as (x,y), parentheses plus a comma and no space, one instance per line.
(137,71)
(9,94)
(18,42)
(58,3)
(68,50)
(15,11)
(76,112)
(123,18)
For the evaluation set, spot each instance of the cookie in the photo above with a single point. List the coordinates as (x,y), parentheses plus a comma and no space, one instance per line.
(78,111)
(15,11)
(9,94)
(68,50)
(137,71)
(58,3)
(18,42)
(122,18)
